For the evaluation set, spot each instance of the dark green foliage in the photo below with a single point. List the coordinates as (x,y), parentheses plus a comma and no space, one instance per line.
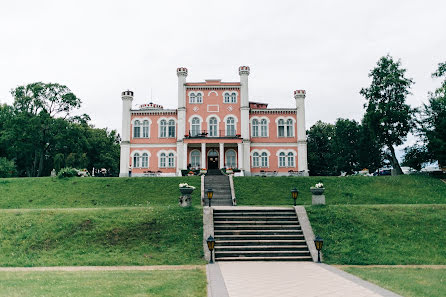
(381,234)
(434,119)
(346,146)
(67,172)
(7,168)
(415,156)
(320,155)
(387,115)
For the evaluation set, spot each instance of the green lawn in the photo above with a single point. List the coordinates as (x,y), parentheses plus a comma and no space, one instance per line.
(342,190)
(49,192)
(408,282)
(185,283)
(138,236)
(408,234)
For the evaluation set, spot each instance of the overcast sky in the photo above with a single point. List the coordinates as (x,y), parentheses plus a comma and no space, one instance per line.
(100,48)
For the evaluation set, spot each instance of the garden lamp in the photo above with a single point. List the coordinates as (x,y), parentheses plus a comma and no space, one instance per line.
(294,194)
(318,242)
(210,194)
(211,243)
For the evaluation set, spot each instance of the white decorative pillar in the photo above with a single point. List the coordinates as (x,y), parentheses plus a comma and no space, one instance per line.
(180,157)
(127,98)
(240,156)
(185,155)
(244,100)
(222,155)
(302,164)
(203,155)
(247,157)
(182,74)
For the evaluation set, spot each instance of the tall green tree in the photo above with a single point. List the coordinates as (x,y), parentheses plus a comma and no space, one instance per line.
(387,115)
(434,119)
(320,154)
(345,146)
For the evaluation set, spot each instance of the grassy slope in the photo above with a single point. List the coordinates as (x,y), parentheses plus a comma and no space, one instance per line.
(190,283)
(48,192)
(381,234)
(410,282)
(139,236)
(341,190)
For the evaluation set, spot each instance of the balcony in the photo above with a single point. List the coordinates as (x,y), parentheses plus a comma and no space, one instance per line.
(212,134)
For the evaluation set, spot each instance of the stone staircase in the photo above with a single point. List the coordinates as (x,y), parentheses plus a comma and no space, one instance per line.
(258,234)
(222,190)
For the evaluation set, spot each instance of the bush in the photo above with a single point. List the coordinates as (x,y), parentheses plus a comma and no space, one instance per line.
(67,172)
(7,168)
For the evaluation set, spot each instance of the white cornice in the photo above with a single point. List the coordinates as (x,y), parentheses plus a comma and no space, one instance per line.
(277,144)
(152,145)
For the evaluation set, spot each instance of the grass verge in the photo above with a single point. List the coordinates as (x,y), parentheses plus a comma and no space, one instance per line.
(410,282)
(49,192)
(138,236)
(381,234)
(408,189)
(104,283)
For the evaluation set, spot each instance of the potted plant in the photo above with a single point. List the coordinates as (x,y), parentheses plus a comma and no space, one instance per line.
(186,189)
(318,189)
(191,173)
(229,171)
(203,171)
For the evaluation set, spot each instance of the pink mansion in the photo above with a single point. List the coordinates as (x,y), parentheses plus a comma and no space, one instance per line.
(215,126)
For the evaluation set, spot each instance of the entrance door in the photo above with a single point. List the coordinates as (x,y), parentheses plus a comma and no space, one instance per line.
(213,159)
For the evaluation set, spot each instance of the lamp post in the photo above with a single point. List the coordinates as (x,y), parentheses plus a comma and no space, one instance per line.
(294,194)
(318,242)
(211,243)
(210,194)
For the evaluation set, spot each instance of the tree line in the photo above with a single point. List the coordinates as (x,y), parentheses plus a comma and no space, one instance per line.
(38,133)
(349,146)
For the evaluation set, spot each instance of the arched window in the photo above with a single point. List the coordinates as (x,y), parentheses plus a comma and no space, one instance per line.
(255,160)
(230,126)
(230,159)
(264,158)
(199,98)
(263,128)
(162,160)
(136,160)
(163,128)
(227,98)
(196,127)
(191,98)
(195,159)
(291,159)
(171,160)
(145,129)
(289,128)
(282,158)
(145,160)
(255,128)
(233,98)
(281,127)
(213,127)
(171,128)
(137,129)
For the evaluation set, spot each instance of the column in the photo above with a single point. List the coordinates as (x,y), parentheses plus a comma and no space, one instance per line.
(203,155)
(302,165)
(244,100)
(185,155)
(240,156)
(182,74)
(180,154)
(127,98)
(222,155)
(247,157)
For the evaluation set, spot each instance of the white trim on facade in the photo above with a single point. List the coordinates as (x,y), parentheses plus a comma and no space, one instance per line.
(209,93)
(260,152)
(285,131)
(195,93)
(208,126)
(259,119)
(277,144)
(230,92)
(152,145)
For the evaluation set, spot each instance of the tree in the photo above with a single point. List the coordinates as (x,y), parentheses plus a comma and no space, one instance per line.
(7,168)
(415,156)
(370,150)
(320,156)
(345,146)
(434,119)
(387,115)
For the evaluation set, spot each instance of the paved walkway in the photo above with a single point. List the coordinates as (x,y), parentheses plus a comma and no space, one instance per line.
(294,279)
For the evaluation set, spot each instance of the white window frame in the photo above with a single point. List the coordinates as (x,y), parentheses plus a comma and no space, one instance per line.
(199,159)
(169,126)
(230,98)
(200,125)
(139,154)
(145,160)
(286,155)
(282,157)
(196,97)
(286,132)
(226,125)
(260,156)
(235,159)
(255,127)
(137,124)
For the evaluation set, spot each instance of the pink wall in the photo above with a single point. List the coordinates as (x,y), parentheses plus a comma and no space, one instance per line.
(154,129)
(274,160)
(153,160)
(272,128)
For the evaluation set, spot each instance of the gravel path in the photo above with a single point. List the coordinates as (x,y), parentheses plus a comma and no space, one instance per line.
(104,268)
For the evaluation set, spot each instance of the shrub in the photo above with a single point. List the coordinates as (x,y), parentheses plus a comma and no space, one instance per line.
(67,172)
(7,168)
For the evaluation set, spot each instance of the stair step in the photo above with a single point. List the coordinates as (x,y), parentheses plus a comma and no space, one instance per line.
(223,226)
(261,247)
(263,222)
(260,214)
(260,253)
(257,237)
(253,218)
(243,258)
(255,242)
(258,232)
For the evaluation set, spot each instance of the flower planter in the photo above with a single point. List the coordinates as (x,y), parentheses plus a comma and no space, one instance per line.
(317,191)
(229,171)
(203,171)
(186,191)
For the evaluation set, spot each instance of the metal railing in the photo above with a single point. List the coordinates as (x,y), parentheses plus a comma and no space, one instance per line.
(213,134)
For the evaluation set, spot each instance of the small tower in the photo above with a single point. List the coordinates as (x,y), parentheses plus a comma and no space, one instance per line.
(244,158)
(300,95)
(181,149)
(127,99)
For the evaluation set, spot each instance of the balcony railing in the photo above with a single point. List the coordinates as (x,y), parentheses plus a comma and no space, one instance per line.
(212,134)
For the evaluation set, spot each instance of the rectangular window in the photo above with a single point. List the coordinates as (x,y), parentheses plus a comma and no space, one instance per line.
(136,132)
(163,131)
(145,132)
(171,161)
(282,161)
(264,131)
(255,131)
(255,161)
(264,161)
(171,131)
(290,161)
(281,131)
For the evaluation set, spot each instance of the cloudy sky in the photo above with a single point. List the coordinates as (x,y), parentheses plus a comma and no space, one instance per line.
(100,48)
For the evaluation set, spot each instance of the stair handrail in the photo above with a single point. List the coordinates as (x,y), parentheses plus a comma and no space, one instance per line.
(202,190)
(231,184)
